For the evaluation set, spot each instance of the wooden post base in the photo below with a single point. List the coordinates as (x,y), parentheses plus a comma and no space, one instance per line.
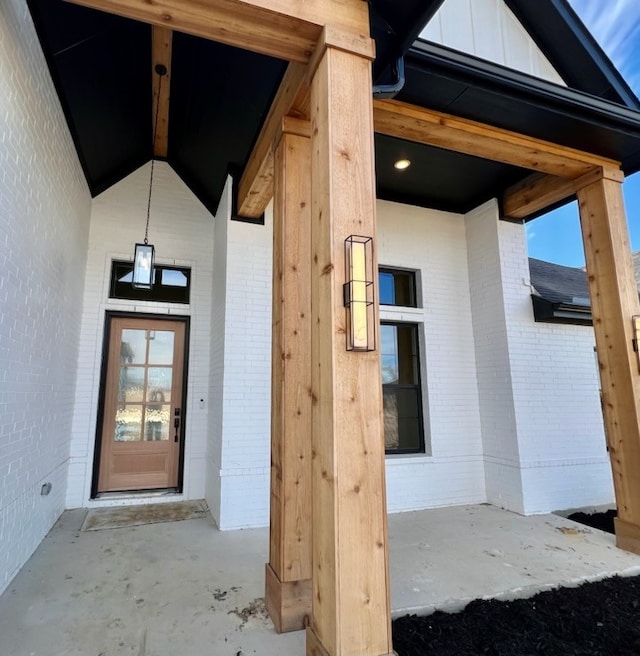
(316,648)
(627,536)
(288,603)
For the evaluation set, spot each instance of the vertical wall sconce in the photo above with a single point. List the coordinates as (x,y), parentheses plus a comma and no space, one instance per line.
(358,293)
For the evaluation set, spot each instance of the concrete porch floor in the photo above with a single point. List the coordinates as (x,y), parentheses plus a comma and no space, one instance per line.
(186,588)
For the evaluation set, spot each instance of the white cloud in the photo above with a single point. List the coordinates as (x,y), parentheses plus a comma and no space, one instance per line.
(615,24)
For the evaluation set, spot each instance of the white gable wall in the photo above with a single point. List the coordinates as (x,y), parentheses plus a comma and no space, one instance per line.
(489,30)
(181,230)
(44,223)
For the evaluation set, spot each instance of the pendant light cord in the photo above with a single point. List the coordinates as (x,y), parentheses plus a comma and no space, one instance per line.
(161,71)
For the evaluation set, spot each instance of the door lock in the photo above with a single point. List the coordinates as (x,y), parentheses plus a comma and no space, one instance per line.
(176,423)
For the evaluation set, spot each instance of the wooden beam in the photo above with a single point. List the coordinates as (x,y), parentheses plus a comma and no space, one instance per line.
(255,188)
(256,185)
(161,46)
(539,191)
(614,301)
(288,574)
(286,29)
(557,164)
(433,128)
(351,610)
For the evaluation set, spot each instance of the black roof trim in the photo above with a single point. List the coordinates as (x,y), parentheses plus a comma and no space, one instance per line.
(572,50)
(545,311)
(517,87)
(476,68)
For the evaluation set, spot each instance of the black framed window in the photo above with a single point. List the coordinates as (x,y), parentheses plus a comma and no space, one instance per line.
(170,285)
(397,287)
(401,389)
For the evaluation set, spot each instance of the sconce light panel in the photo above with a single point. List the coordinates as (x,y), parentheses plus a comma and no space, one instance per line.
(358,293)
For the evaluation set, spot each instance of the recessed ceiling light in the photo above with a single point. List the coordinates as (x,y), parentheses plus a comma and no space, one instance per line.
(402,164)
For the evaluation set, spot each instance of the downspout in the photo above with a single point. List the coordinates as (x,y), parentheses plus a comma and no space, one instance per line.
(384,91)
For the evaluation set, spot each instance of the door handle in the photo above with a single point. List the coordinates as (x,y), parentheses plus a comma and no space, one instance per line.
(176,424)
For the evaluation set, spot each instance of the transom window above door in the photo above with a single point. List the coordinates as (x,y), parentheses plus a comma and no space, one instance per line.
(171,284)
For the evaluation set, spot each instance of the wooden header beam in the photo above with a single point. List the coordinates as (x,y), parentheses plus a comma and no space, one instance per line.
(539,191)
(286,29)
(433,128)
(161,45)
(256,185)
(255,188)
(412,123)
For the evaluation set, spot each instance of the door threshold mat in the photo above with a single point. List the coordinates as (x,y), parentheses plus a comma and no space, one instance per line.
(100,519)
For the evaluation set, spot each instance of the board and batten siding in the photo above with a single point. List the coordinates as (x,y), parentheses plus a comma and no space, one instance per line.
(488,29)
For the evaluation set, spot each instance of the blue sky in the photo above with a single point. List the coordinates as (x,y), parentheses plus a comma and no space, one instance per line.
(616,26)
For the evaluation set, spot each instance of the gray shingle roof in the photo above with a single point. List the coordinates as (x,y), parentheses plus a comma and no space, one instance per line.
(559,284)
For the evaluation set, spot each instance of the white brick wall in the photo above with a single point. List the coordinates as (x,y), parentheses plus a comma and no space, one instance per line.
(555,390)
(488,29)
(433,243)
(498,420)
(541,418)
(246,407)
(181,230)
(44,222)
(217,353)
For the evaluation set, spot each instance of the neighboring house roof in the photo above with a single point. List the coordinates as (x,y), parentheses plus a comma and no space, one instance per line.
(220,96)
(560,293)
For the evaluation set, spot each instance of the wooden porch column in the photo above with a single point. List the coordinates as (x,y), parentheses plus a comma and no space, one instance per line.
(288,573)
(351,614)
(614,300)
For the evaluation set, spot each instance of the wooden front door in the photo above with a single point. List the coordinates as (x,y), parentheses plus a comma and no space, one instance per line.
(143,411)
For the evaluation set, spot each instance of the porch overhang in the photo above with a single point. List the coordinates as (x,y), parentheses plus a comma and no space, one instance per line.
(349,573)
(95,81)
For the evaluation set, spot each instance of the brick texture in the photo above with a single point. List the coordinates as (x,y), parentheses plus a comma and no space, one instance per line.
(181,230)
(44,223)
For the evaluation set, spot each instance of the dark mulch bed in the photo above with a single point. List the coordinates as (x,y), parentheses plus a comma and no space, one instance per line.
(601,520)
(595,619)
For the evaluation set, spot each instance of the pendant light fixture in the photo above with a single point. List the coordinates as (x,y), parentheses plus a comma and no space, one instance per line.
(143,258)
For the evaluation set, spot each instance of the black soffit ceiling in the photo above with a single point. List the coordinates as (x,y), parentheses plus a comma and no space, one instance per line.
(220,95)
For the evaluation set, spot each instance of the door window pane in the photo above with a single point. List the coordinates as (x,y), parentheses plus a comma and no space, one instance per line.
(160,346)
(157,418)
(131,384)
(133,346)
(159,380)
(128,423)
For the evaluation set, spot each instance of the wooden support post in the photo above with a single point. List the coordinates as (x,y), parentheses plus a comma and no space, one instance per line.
(614,301)
(351,608)
(288,573)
